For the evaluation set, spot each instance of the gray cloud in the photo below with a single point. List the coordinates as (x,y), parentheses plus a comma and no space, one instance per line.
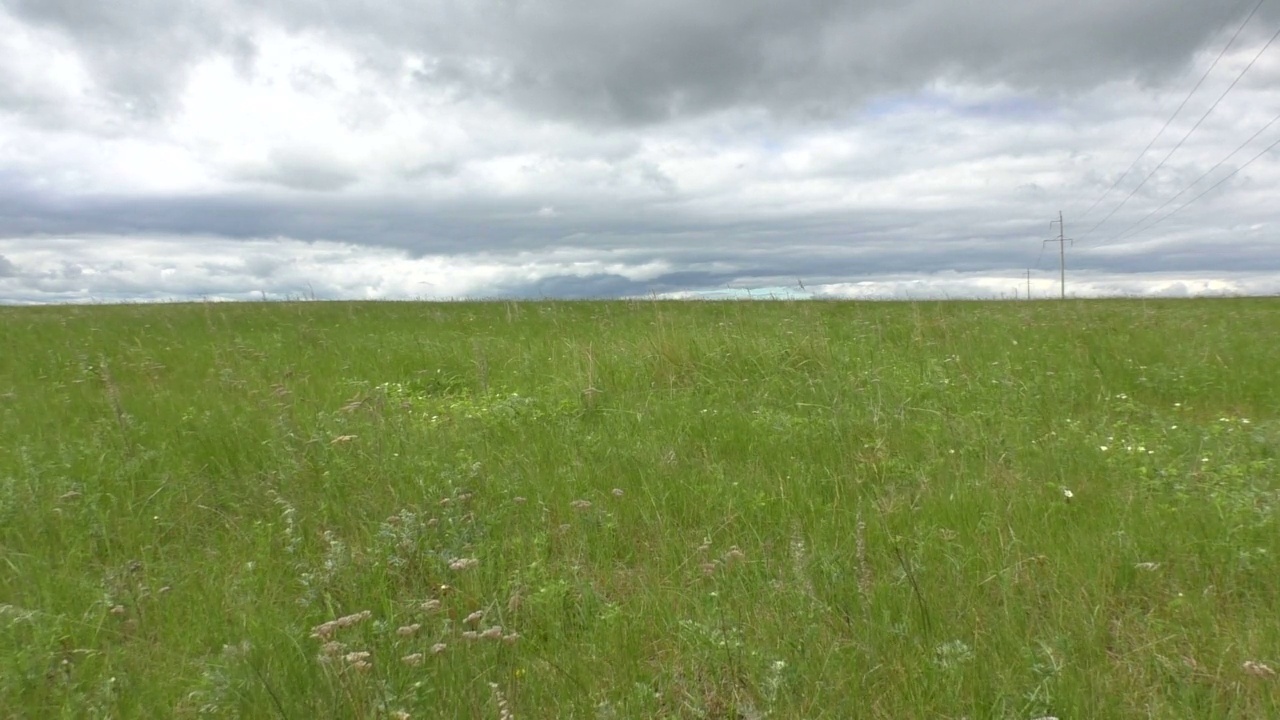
(523,148)
(647,61)
(140,50)
(301,170)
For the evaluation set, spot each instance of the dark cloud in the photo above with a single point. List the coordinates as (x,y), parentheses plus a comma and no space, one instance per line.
(646,61)
(140,50)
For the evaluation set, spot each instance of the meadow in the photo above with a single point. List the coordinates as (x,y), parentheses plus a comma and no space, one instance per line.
(641,509)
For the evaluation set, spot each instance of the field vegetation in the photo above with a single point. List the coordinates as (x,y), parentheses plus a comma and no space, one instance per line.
(641,510)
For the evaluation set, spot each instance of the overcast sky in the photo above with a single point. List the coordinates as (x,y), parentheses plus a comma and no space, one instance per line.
(154,150)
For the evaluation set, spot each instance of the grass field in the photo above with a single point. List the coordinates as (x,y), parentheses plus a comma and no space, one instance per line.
(641,510)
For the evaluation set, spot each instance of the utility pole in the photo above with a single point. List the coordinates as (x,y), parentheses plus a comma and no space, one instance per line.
(1062,240)
(1028,284)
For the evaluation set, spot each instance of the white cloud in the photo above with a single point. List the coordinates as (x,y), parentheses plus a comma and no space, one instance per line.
(420,171)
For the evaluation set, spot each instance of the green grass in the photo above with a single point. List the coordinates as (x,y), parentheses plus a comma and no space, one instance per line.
(686,510)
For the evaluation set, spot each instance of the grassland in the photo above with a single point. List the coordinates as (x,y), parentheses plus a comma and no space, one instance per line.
(700,510)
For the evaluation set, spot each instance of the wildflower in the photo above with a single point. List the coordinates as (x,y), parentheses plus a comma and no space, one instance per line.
(413,660)
(333,648)
(118,610)
(430,606)
(470,635)
(708,568)
(400,715)
(359,661)
(511,638)
(581,504)
(617,492)
(349,620)
(474,617)
(408,630)
(734,555)
(463,564)
(438,648)
(1067,494)
(1103,448)
(493,633)
(324,631)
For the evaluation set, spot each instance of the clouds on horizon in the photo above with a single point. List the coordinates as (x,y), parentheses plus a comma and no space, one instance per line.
(544,147)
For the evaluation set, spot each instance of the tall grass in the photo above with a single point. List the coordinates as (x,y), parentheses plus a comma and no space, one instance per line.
(641,509)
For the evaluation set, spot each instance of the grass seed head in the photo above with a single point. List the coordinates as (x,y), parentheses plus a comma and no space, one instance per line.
(1258,669)
(408,630)
(504,710)
(413,660)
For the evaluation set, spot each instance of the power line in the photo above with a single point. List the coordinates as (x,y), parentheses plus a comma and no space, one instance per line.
(1181,105)
(1195,182)
(1062,240)
(1188,134)
(1040,256)
(1213,187)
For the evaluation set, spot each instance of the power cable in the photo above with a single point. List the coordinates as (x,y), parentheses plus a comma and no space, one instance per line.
(1193,183)
(1175,112)
(1188,134)
(1211,188)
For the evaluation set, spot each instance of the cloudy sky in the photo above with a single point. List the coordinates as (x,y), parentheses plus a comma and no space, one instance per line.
(155,150)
